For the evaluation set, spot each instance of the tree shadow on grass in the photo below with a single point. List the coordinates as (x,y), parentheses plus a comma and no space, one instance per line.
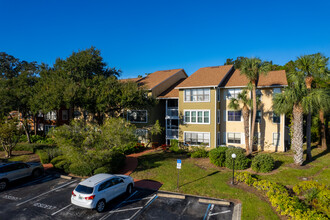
(278,164)
(152,160)
(211,174)
(316,156)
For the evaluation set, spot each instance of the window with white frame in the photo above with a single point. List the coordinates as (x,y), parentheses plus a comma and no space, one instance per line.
(65,115)
(197,138)
(276,139)
(258,116)
(234,115)
(50,115)
(233,93)
(197,95)
(234,138)
(48,127)
(276,118)
(197,116)
(137,116)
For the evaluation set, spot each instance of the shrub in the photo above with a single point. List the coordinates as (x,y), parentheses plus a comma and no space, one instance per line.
(44,157)
(81,169)
(263,163)
(176,148)
(101,170)
(133,148)
(218,156)
(47,154)
(199,152)
(241,161)
(61,163)
(116,162)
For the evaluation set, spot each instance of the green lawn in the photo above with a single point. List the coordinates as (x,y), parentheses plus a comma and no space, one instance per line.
(213,182)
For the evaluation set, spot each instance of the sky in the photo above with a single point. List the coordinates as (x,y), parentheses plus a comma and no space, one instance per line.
(138,36)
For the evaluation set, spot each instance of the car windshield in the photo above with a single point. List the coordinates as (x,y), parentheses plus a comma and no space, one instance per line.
(84,189)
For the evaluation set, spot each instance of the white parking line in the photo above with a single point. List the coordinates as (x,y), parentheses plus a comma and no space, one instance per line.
(136,200)
(61,209)
(124,210)
(117,207)
(211,214)
(45,193)
(145,206)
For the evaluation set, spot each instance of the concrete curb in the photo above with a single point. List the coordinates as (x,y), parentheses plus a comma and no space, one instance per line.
(66,177)
(174,196)
(237,212)
(217,202)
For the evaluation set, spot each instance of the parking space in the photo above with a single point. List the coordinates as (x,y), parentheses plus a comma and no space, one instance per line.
(49,197)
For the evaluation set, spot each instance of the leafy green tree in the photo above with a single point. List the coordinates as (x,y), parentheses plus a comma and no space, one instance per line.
(310,67)
(9,134)
(252,68)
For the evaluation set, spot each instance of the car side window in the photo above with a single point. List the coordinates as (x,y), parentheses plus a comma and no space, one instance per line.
(106,185)
(20,166)
(10,168)
(117,181)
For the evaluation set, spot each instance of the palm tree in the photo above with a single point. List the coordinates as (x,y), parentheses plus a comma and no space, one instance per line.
(310,67)
(252,68)
(297,99)
(235,104)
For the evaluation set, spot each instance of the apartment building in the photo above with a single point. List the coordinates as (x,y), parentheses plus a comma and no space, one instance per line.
(158,84)
(204,116)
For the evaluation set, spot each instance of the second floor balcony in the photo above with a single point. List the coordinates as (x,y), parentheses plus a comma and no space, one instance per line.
(172,113)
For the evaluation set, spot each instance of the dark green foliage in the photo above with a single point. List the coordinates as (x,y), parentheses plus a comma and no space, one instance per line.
(199,152)
(32,147)
(44,157)
(81,169)
(61,163)
(176,147)
(218,156)
(263,163)
(101,170)
(133,148)
(47,154)
(241,161)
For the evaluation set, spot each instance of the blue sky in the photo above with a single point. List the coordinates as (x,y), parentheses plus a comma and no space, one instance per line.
(145,36)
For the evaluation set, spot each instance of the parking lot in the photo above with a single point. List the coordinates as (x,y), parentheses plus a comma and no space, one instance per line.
(48,197)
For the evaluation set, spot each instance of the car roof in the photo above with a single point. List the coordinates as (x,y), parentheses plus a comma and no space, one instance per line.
(7,163)
(94,180)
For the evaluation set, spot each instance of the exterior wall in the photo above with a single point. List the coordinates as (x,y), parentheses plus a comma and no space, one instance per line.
(266,127)
(198,127)
(168,83)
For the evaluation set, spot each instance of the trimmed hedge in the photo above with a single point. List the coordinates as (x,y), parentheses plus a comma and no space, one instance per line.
(241,161)
(263,163)
(218,156)
(280,198)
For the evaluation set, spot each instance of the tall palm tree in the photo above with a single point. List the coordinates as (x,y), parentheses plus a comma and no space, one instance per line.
(235,104)
(297,99)
(252,68)
(310,67)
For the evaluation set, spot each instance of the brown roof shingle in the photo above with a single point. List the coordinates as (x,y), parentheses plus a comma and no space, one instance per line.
(273,78)
(154,78)
(207,76)
(171,92)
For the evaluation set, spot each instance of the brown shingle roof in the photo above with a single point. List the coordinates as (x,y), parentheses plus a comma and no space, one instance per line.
(154,78)
(271,79)
(207,76)
(171,92)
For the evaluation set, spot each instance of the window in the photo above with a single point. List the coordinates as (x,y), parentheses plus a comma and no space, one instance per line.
(197,95)
(65,115)
(256,139)
(137,116)
(40,127)
(197,116)
(51,115)
(276,118)
(48,127)
(234,138)
(195,138)
(276,90)
(258,116)
(218,95)
(259,93)
(234,115)
(276,139)
(233,93)
(218,116)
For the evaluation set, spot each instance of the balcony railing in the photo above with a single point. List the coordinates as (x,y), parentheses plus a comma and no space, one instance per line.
(172,133)
(172,112)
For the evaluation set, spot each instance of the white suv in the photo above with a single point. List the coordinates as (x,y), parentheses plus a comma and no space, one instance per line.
(96,191)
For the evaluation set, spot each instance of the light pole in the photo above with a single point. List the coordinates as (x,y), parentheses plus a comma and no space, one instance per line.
(233,156)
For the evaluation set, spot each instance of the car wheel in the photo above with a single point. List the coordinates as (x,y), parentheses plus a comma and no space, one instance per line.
(36,173)
(100,206)
(3,185)
(129,189)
